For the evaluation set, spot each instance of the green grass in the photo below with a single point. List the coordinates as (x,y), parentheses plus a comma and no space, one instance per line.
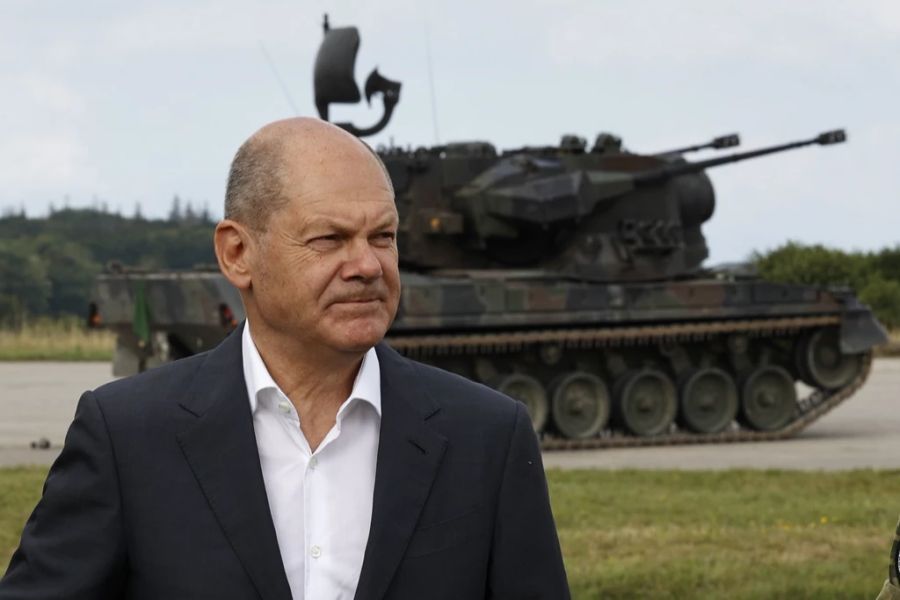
(670,534)
(56,339)
(734,534)
(20,489)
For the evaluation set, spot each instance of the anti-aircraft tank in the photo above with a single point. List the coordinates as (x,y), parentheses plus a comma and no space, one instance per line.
(571,278)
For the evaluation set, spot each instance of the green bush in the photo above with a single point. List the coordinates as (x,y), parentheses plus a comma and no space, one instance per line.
(887,262)
(883,297)
(874,276)
(815,265)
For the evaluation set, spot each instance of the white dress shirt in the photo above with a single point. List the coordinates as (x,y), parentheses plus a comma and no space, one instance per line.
(321,502)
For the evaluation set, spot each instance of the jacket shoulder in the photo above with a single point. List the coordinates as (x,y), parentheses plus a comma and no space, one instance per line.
(158,388)
(461,397)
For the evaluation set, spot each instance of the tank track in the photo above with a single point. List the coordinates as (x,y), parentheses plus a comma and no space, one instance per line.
(810,408)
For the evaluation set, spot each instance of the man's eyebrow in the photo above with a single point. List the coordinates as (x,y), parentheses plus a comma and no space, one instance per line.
(388,220)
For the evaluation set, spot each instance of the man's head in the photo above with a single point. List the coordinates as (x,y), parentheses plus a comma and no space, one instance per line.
(255,187)
(309,236)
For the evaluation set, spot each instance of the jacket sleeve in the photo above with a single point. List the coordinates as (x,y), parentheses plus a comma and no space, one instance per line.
(889,591)
(73,544)
(526,562)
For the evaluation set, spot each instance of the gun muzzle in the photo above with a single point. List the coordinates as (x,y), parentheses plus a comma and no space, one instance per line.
(727,141)
(837,136)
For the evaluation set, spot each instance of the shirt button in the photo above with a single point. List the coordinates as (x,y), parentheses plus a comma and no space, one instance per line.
(285,407)
(313,462)
(315,552)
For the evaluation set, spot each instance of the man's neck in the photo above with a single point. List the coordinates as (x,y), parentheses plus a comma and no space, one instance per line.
(316,383)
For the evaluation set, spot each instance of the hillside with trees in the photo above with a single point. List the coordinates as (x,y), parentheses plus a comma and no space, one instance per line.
(47,265)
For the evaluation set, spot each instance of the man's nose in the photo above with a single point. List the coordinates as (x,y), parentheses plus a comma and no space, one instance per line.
(362,262)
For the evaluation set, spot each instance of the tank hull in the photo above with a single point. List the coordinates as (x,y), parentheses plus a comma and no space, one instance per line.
(598,365)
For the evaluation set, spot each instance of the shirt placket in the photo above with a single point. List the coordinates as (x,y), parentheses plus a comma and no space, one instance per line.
(291,422)
(318,537)
(314,516)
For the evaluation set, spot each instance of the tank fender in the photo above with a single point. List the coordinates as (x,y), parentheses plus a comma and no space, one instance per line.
(860,330)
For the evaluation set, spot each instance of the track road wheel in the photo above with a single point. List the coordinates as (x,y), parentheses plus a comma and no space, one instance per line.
(580,405)
(646,402)
(530,392)
(709,400)
(768,398)
(821,363)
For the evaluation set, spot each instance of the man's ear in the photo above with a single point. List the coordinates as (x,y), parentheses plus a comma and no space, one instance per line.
(234,248)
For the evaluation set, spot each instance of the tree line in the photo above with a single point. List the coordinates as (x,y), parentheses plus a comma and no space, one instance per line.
(48,264)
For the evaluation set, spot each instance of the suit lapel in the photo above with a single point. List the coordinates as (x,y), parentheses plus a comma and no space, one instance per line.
(221,450)
(409,454)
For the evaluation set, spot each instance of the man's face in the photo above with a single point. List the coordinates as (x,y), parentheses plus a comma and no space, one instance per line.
(325,270)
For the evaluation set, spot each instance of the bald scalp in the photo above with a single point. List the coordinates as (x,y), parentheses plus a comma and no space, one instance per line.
(258,176)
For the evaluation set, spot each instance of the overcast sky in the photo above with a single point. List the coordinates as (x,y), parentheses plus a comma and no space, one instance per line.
(133,102)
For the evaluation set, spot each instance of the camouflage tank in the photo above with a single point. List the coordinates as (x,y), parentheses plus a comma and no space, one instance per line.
(571,278)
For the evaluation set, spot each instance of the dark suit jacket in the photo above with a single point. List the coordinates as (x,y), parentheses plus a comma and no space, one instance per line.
(158,493)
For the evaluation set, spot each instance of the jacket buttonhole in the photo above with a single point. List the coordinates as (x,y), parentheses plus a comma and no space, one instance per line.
(419,446)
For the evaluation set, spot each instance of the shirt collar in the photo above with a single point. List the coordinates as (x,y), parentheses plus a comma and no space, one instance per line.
(366,386)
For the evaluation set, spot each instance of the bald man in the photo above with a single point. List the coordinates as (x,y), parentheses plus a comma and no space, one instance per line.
(301,458)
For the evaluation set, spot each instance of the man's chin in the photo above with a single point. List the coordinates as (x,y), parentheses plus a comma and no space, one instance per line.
(358,342)
(355,348)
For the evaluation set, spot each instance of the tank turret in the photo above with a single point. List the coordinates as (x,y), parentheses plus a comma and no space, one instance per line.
(597,215)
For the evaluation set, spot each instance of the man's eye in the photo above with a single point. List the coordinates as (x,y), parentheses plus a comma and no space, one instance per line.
(385,237)
(324,242)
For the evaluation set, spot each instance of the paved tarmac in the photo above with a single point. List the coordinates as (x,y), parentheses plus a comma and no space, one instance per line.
(38,400)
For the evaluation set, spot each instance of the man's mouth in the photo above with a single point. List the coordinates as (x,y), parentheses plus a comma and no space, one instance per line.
(358,300)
